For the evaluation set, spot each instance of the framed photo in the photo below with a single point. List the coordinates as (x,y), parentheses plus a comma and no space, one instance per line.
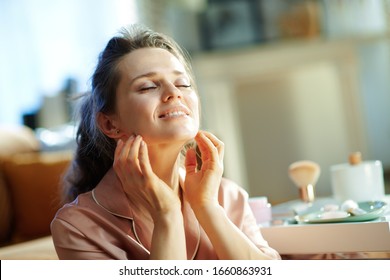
(230,23)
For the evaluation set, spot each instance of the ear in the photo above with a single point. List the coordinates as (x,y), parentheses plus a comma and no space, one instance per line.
(108,125)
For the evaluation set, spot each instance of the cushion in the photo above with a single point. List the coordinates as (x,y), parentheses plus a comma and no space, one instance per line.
(17,139)
(33,180)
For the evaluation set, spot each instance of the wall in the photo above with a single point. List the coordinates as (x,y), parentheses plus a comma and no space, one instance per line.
(277,104)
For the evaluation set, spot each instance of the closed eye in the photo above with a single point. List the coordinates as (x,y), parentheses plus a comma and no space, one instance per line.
(183,86)
(148,88)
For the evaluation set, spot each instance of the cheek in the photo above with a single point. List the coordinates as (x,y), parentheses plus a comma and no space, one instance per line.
(193,102)
(133,113)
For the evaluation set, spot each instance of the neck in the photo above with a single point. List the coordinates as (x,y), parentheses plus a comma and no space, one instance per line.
(165,164)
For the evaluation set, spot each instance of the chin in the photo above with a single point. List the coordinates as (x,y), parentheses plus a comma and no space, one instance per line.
(186,137)
(182,137)
(185,133)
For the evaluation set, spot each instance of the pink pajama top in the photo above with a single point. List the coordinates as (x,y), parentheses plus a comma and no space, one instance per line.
(101,224)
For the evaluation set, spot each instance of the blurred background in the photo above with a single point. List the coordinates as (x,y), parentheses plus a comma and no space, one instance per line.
(280,80)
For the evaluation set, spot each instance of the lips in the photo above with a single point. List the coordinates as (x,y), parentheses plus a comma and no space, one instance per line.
(174,112)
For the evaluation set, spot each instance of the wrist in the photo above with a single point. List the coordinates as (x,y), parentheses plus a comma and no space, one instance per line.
(172,215)
(207,209)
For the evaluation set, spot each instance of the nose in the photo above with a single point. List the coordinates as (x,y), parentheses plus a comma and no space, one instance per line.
(171,92)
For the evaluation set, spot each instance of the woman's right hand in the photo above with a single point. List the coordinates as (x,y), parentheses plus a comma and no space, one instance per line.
(147,191)
(142,186)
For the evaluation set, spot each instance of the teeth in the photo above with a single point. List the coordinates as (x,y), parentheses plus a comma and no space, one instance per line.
(175,114)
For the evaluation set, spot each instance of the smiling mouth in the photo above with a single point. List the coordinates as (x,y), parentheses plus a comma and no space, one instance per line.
(174,114)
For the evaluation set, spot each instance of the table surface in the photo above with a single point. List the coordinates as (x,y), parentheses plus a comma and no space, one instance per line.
(370,236)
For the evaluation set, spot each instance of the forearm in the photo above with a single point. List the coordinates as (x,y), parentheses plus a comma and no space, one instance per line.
(168,240)
(228,241)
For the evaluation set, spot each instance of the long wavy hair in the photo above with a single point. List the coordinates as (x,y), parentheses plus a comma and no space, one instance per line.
(94,155)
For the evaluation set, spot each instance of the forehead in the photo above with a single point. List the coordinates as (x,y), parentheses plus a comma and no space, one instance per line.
(145,60)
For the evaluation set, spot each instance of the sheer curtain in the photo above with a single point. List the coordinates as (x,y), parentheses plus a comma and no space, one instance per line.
(45,42)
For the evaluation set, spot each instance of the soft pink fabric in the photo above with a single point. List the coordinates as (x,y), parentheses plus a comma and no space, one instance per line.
(103,225)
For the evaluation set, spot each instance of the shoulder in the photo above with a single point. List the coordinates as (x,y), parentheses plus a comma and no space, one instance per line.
(234,199)
(74,211)
(232,196)
(231,190)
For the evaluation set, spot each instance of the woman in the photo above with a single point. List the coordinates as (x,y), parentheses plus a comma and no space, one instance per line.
(133,196)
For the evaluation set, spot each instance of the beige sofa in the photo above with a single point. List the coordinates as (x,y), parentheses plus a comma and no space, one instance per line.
(29,194)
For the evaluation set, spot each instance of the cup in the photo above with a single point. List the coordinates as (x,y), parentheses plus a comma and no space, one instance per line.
(261,209)
(359,182)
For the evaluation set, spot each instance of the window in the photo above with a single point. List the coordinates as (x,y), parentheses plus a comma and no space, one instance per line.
(44,42)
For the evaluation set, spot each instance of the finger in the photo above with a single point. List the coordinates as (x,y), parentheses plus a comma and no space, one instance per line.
(121,152)
(206,147)
(216,142)
(122,166)
(190,161)
(118,149)
(144,161)
(133,153)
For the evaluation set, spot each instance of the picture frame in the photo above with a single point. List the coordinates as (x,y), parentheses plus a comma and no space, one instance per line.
(230,24)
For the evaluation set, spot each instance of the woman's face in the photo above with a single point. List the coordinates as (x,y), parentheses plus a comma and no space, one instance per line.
(155,98)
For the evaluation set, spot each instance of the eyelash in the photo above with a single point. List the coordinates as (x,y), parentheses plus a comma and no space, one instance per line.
(154,87)
(147,88)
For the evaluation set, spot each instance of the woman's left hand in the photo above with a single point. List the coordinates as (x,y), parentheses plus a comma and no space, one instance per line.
(201,186)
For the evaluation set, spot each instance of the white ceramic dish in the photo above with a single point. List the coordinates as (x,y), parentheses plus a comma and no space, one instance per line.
(374,209)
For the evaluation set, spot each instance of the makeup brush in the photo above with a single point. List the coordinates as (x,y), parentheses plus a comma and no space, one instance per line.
(305,174)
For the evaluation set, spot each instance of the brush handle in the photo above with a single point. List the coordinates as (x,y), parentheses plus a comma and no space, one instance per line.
(306,193)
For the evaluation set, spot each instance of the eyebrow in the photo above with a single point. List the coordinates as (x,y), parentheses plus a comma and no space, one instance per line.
(151,74)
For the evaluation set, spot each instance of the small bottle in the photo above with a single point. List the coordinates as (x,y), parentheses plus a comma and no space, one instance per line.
(261,210)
